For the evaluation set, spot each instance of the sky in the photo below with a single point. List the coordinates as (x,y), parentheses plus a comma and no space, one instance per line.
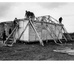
(10,10)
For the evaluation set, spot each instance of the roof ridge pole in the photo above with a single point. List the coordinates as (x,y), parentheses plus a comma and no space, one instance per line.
(41,42)
(54,19)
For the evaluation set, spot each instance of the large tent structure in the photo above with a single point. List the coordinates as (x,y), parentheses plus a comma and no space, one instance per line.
(39,29)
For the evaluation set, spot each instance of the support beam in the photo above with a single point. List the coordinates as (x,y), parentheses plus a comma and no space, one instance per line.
(23,31)
(55,35)
(11,34)
(41,42)
(51,34)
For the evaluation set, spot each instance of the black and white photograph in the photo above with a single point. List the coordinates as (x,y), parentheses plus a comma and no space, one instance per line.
(36,37)
(37,31)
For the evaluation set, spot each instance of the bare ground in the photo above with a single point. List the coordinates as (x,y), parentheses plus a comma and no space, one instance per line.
(21,51)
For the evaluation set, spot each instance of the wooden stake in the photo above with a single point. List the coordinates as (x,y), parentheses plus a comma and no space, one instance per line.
(41,42)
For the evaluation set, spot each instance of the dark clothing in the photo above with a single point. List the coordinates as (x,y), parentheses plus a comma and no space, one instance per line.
(15,22)
(4,36)
(10,31)
(29,14)
(60,20)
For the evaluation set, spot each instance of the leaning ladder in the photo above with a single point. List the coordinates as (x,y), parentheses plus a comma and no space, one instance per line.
(11,35)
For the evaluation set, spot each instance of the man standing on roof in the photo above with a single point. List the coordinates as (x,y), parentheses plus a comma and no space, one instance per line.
(15,22)
(29,14)
(60,20)
(15,25)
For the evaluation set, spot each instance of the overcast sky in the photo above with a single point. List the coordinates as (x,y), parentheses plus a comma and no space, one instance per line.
(8,11)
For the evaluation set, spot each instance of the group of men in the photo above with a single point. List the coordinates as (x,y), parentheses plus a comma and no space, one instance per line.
(28,15)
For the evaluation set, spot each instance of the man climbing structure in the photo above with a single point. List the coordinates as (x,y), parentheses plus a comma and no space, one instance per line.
(60,20)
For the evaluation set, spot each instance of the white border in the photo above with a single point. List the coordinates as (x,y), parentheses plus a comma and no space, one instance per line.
(36,67)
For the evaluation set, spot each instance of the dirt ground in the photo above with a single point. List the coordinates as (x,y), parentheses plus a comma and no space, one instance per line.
(22,51)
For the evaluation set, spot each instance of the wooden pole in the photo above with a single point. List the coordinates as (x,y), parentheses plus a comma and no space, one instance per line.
(41,42)
(11,33)
(23,31)
(51,34)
